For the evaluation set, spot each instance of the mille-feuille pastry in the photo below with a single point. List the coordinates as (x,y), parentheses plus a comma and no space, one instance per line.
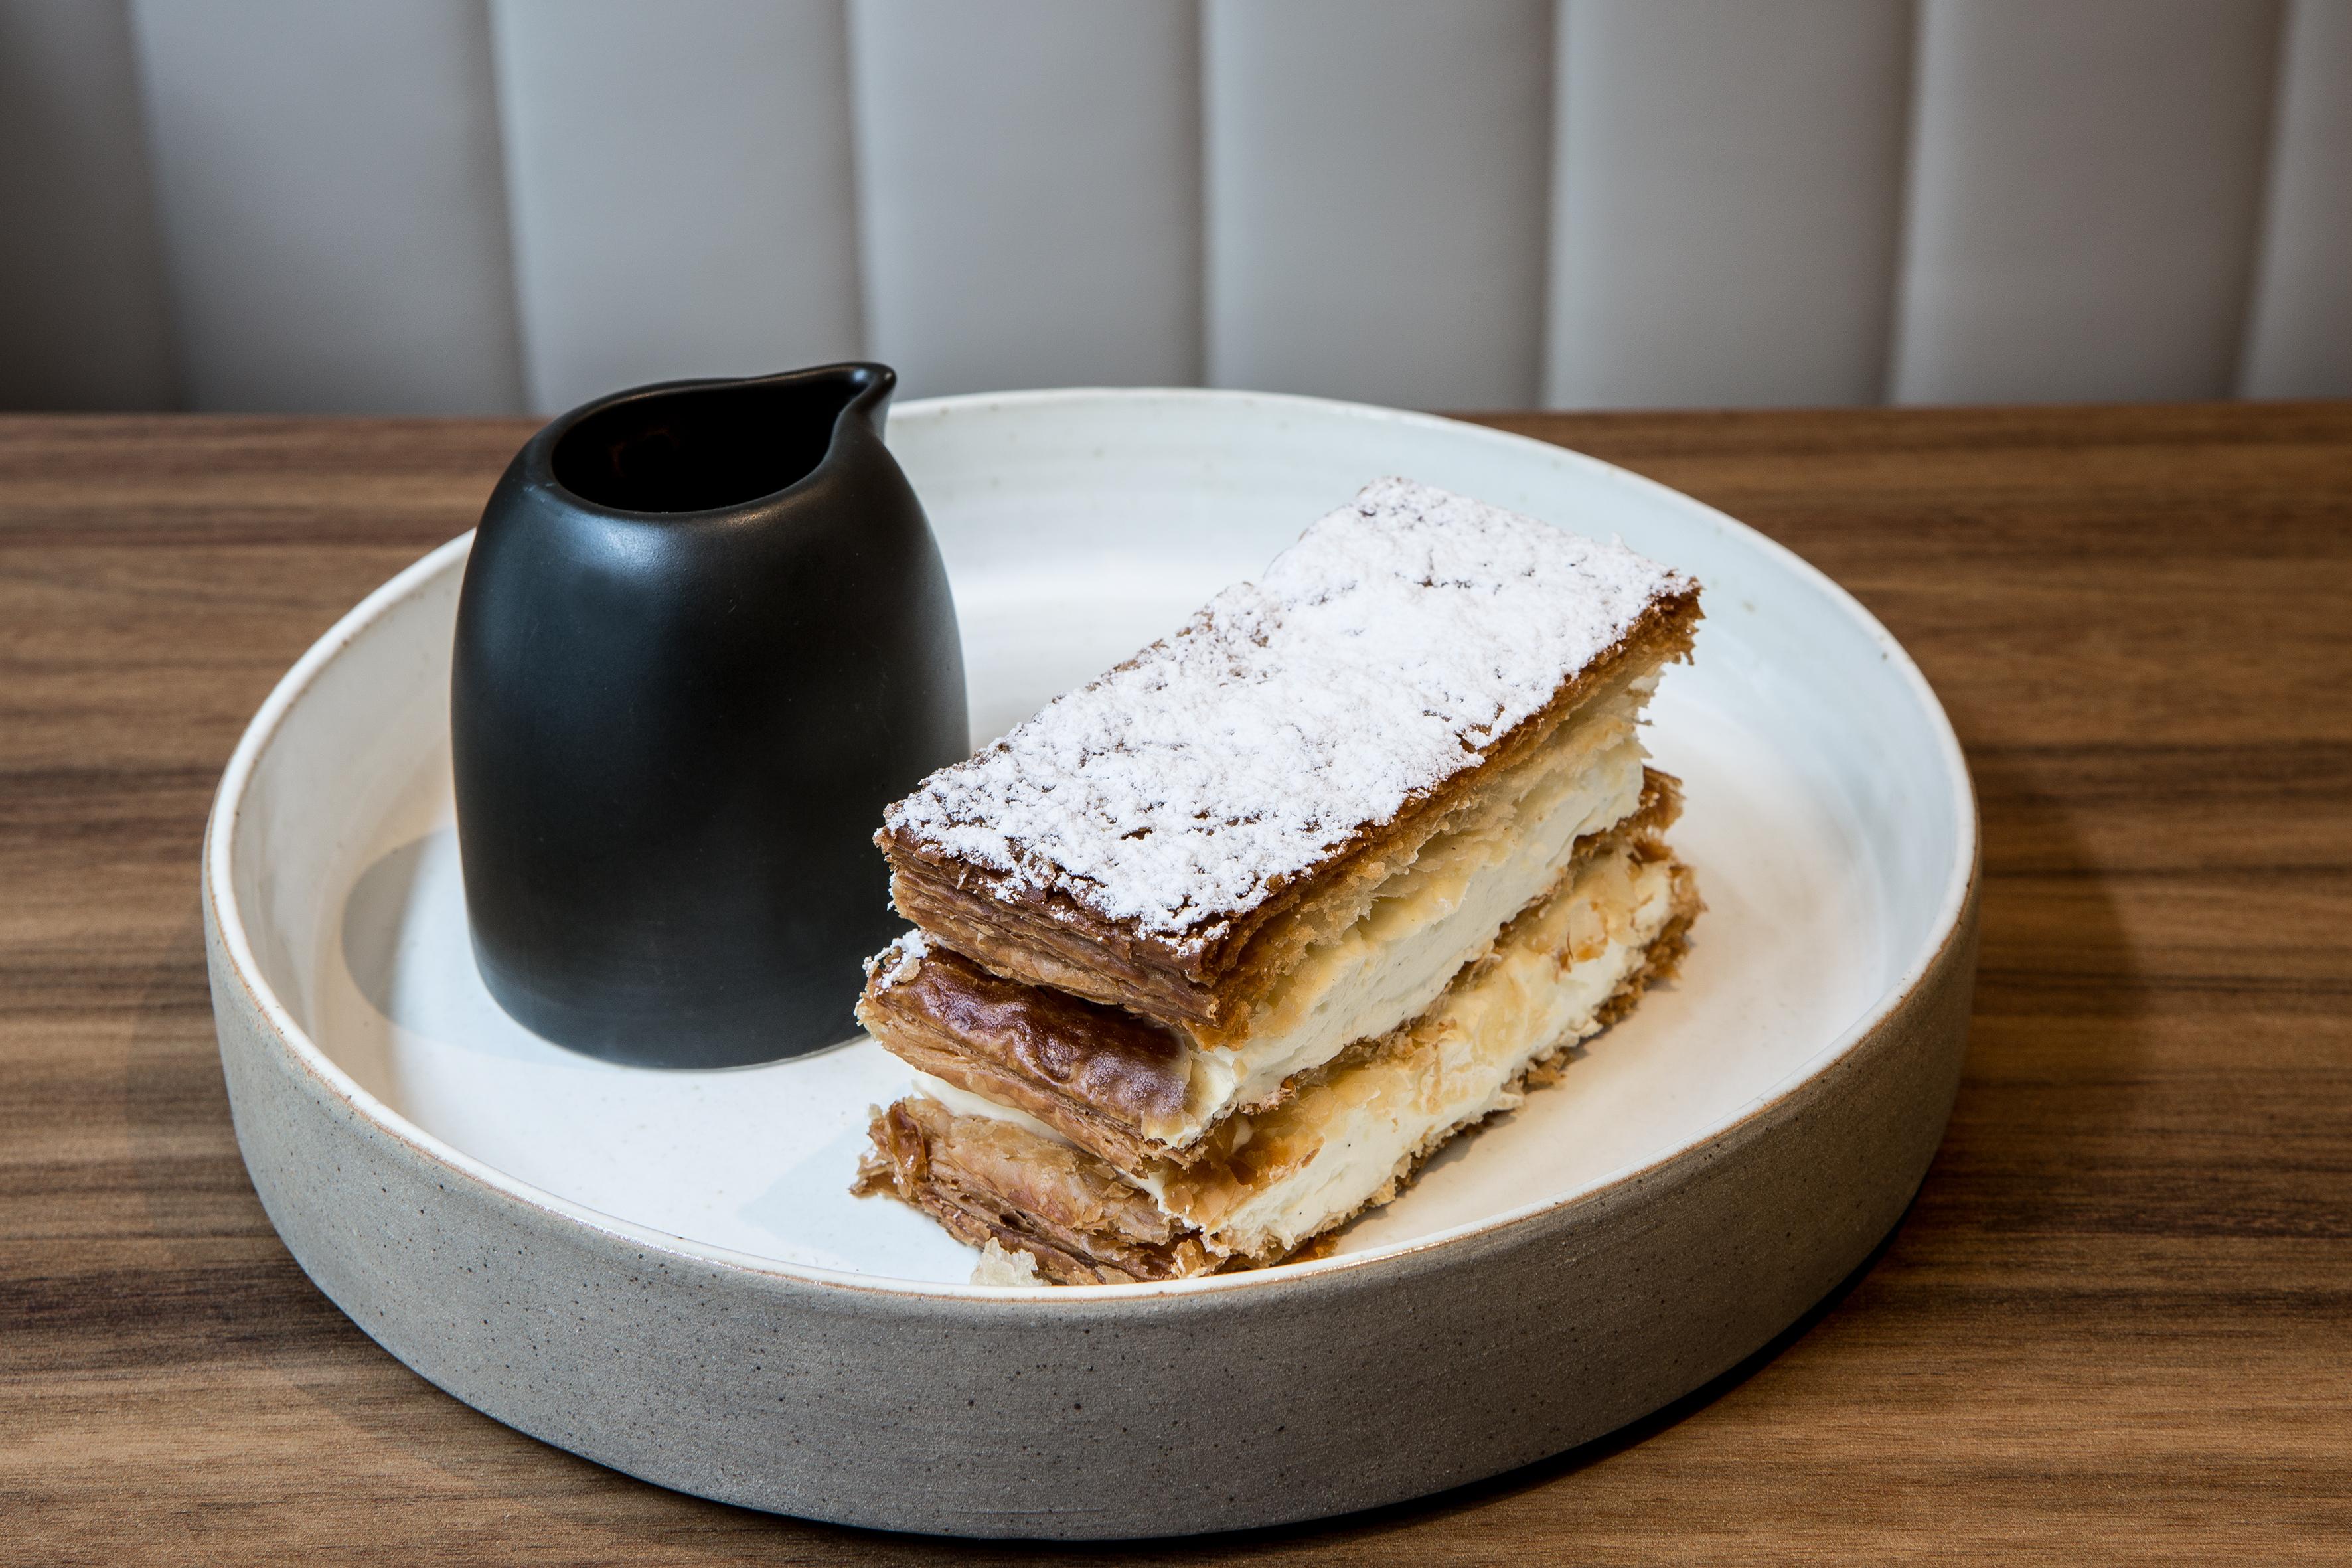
(1215,949)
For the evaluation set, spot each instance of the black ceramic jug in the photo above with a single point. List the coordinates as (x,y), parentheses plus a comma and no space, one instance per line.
(704,637)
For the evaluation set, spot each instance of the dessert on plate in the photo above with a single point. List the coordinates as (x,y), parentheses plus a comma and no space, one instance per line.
(1214,951)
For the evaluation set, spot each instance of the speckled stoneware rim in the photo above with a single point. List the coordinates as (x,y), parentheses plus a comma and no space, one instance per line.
(220,895)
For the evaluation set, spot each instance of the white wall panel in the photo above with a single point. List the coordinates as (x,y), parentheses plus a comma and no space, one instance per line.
(2086,182)
(1029,190)
(83,318)
(334,217)
(283,204)
(680,181)
(1377,178)
(1727,197)
(2299,342)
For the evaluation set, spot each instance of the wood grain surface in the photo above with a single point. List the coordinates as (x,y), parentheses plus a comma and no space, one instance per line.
(2117,1325)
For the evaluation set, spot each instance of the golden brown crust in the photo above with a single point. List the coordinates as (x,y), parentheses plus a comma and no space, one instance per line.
(1073,1213)
(1095,1074)
(986,1180)
(1045,937)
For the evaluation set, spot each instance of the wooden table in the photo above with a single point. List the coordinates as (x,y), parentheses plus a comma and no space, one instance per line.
(2117,1324)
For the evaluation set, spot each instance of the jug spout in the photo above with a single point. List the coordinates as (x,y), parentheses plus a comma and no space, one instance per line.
(687,447)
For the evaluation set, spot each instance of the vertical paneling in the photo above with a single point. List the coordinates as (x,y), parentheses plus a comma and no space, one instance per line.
(1377,176)
(1029,190)
(2299,337)
(82,317)
(681,187)
(1727,195)
(2085,188)
(277,204)
(335,215)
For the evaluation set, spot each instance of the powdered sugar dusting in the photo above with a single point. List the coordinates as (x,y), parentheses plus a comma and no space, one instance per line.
(898,963)
(1372,661)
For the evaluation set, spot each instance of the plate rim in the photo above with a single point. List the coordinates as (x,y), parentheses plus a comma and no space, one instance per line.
(219,897)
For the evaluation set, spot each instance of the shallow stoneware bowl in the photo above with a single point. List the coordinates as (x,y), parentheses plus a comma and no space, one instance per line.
(664,1271)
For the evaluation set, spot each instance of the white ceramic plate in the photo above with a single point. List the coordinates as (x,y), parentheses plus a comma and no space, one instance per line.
(1828,819)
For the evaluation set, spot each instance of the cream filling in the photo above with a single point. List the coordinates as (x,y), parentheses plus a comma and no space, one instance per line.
(1339,1143)
(963,1103)
(1425,924)
(1369,1123)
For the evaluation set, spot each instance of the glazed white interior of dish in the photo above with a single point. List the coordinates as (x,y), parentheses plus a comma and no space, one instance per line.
(1828,819)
